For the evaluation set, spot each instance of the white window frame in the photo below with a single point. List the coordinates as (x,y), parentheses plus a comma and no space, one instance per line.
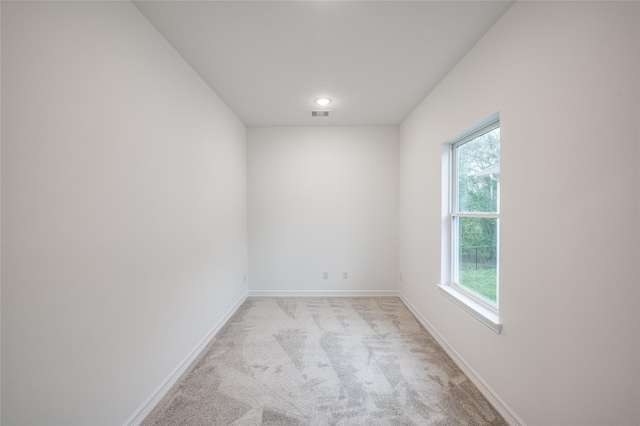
(481,308)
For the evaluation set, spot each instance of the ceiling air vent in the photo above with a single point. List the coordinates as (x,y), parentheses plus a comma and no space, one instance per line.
(319,113)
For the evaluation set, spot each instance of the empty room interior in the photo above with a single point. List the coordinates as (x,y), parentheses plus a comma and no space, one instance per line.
(294,212)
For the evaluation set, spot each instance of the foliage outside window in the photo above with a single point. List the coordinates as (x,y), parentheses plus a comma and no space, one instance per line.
(475,214)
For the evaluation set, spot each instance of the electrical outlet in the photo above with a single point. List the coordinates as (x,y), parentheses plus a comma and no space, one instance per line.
(345,275)
(325,275)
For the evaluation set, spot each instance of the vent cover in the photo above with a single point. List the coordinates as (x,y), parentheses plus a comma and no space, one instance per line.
(319,113)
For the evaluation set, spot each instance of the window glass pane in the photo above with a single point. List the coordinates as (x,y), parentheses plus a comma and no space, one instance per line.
(477,255)
(478,173)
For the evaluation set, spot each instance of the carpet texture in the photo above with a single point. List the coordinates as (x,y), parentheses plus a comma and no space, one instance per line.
(324,361)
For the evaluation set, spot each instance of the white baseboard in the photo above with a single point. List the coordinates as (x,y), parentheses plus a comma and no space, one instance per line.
(143,411)
(323,293)
(498,403)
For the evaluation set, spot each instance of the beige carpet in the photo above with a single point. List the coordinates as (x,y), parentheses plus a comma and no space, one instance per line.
(324,361)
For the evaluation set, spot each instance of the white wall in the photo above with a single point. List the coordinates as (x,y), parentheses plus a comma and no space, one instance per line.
(564,77)
(123,211)
(323,198)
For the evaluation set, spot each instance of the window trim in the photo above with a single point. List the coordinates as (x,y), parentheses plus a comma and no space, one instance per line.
(482,309)
(476,310)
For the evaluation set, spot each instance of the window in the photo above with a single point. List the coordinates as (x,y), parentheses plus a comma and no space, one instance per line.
(473,221)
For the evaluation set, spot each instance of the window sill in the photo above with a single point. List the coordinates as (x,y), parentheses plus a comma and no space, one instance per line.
(474,308)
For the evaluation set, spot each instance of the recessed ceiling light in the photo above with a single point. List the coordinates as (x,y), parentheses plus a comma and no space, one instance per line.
(323,101)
